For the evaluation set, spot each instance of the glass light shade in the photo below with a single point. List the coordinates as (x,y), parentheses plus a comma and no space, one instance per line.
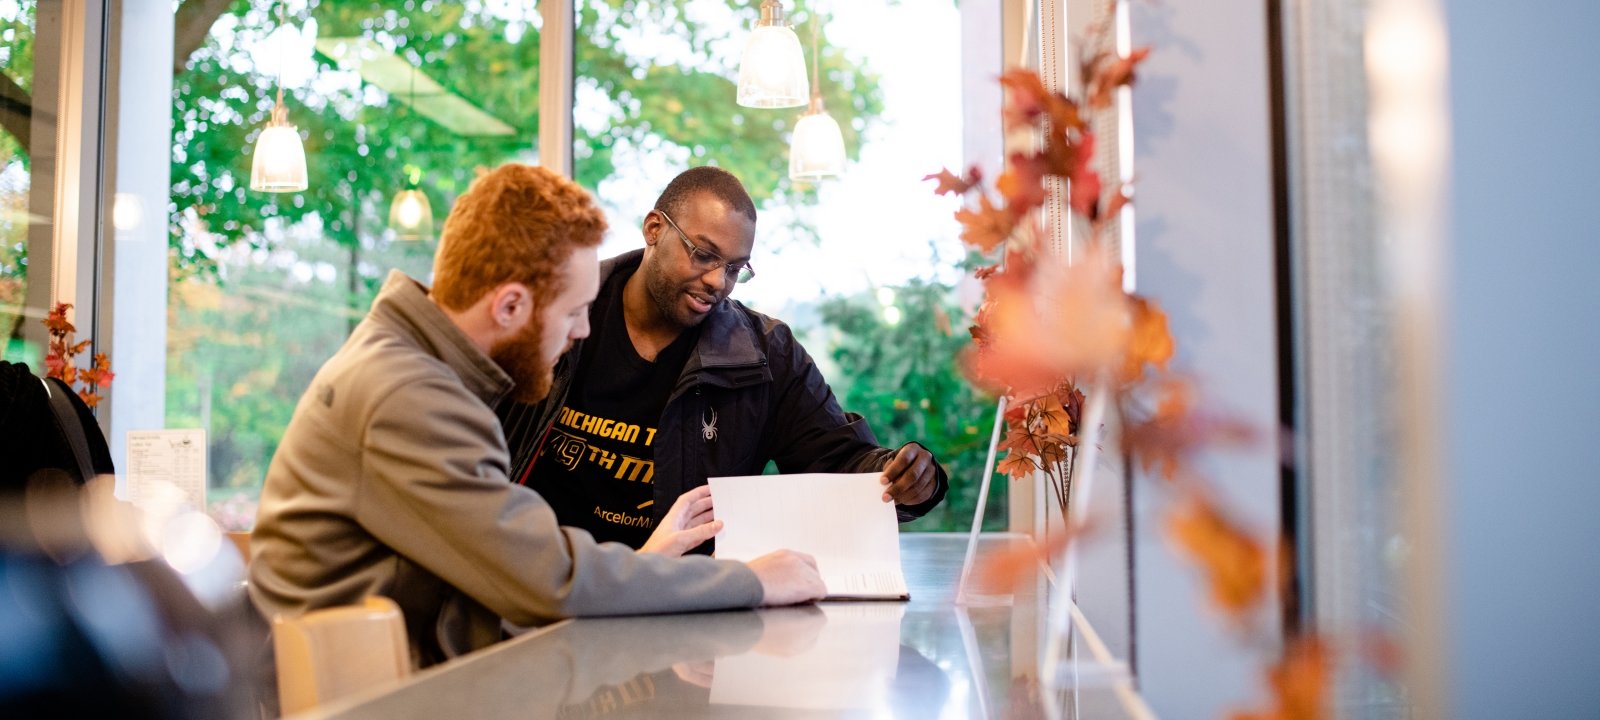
(772,72)
(411,216)
(279,164)
(817,149)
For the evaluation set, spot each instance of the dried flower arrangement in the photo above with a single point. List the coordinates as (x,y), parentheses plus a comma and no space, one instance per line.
(58,359)
(1049,331)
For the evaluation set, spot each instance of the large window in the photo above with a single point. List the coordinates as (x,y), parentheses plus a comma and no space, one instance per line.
(390,97)
(258,289)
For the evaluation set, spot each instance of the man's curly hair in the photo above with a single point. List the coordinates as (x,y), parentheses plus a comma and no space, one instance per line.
(517,223)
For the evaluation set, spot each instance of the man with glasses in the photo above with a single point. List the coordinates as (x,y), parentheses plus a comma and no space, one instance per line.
(677,383)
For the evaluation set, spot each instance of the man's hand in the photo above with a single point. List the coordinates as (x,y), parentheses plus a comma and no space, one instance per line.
(911,477)
(787,578)
(689,523)
(696,673)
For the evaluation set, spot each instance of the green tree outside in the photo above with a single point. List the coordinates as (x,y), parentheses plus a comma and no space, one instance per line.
(896,355)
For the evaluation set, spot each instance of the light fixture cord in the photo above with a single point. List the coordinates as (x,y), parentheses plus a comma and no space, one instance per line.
(279,112)
(816,55)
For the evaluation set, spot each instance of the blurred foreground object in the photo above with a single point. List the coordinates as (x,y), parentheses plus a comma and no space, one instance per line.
(44,425)
(88,636)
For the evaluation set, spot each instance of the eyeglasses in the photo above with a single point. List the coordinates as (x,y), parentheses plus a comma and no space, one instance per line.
(705,260)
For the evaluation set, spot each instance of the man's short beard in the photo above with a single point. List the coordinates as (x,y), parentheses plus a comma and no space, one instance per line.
(522,358)
(667,296)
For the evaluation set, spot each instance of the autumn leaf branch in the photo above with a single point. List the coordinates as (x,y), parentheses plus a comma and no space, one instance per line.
(1045,323)
(58,358)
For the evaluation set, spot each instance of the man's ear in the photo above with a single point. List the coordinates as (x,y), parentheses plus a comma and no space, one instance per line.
(511,306)
(651,228)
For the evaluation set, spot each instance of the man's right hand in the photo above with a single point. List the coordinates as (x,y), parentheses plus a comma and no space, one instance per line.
(788,577)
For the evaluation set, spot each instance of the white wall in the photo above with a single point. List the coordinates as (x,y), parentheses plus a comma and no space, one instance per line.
(1205,253)
(1521,509)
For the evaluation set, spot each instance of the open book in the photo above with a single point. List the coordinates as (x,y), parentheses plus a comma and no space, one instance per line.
(841,520)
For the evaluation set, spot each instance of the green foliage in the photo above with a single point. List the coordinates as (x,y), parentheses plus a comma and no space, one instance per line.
(358,143)
(904,378)
(244,353)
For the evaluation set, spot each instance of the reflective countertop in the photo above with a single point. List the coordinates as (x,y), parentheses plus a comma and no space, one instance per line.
(930,657)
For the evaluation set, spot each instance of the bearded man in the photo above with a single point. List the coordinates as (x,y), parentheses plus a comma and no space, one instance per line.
(392,475)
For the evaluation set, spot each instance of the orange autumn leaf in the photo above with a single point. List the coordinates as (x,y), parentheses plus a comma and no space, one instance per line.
(951,184)
(1020,561)
(1163,442)
(1233,563)
(1022,451)
(61,350)
(57,321)
(1061,152)
(1106,77)
(1149,342)
(997,371)
(1072,399)
(1029,98)
(1055,416)
(1083,192)
(985,227)
(1022,183)
(1084,322)
(1052,449)
(1298,683)
(1052,321)
(1001,360)
(1016,464)
(1026,99)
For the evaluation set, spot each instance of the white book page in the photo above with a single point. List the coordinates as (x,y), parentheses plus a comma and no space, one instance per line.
(839,519)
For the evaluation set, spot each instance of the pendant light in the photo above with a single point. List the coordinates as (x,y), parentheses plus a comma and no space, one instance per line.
(816,150)
(279,162)
(772,72)
(410,214)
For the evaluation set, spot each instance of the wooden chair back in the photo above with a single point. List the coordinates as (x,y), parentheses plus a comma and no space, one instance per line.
(328,654)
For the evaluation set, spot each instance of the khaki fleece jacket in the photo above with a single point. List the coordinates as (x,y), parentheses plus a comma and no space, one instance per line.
(391,480)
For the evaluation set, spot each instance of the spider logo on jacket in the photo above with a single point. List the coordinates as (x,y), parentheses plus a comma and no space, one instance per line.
(709,429)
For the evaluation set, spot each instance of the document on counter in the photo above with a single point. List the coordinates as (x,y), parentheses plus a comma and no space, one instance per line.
(839,519)
(167,468)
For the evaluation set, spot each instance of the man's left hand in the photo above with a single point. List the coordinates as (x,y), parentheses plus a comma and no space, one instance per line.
(691,521)
(911,477)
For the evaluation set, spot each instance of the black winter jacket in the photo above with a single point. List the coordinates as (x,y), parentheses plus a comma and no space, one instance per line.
(750,380)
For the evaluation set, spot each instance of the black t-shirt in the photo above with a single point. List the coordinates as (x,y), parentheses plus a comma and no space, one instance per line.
(596,465)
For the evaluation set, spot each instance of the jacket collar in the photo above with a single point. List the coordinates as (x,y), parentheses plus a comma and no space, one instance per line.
(727,336)
(403,304)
